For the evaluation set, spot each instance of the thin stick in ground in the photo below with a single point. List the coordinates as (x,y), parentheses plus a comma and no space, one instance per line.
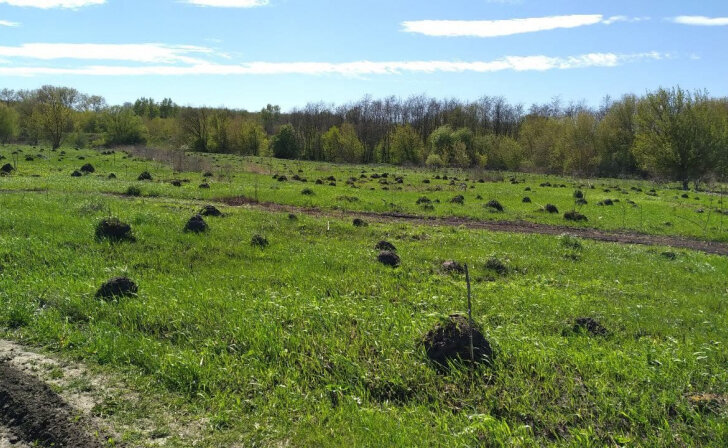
(470,314)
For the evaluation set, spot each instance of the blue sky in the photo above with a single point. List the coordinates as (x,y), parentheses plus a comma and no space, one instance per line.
(246,53)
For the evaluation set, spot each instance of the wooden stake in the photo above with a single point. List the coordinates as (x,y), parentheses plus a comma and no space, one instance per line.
(470,314)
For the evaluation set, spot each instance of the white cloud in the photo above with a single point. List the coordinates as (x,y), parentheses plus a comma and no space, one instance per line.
(508,27)
(229,3)
(145,53)
(8,23)
(47,4)
(701,20)
(357,68)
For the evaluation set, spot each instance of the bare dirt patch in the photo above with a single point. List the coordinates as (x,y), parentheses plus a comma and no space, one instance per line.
(710,247)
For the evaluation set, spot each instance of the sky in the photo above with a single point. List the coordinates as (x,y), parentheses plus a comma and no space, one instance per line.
(249,53)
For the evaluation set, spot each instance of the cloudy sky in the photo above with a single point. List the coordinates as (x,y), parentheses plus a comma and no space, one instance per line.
(246,53)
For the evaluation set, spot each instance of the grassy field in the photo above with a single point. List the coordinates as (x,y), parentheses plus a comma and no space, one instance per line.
(311,342)
(663,211)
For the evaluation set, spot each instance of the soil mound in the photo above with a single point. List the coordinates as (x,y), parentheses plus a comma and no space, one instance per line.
(7,168)
(358,222)
(88,168)
(591,325)
(494,205)
(210,210)
(385,245)
(389,258)
(452,266)
(145,176)
(196,224)
(117,287)
(114,229)
(551,208)
(450,341)
(575,216)
(259,241)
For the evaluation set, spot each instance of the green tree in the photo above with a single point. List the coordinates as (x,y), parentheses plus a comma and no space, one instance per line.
(123,127)
(252,138)
(8,123)
(678,135)
(342,144)
(406,146)
(284,144)
(54,108)
(616,136)
(195,126)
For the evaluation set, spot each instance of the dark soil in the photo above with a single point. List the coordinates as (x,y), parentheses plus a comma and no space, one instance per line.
(551,208)
(526,200)
(114,229)
(112,176)
(145,176)
(196,224)
(606,202)
(449,341)
(204,185)
(76,173)
(389,258)
(38,415)
(358,222)
(88,168)
(385,245)
(117,287)
(591,325)
(210,210)
(7,168)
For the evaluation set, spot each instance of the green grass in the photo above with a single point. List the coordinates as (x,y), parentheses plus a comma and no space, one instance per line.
(311,342)
(701,215)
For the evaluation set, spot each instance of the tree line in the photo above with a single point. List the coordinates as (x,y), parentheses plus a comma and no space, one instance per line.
(670,134)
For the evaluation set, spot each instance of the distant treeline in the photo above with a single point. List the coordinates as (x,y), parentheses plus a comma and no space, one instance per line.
(670,134)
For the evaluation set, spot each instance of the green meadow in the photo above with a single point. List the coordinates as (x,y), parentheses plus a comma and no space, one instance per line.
(311,342)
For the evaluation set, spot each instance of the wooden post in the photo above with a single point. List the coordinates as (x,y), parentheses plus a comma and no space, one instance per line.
(470,313)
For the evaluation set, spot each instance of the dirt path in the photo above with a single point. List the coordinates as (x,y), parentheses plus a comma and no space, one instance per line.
(710,247)
(33,413)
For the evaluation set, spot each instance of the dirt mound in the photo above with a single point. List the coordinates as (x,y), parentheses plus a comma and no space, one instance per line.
(605,202)
(358,222)
(459,199)
(450,341)
(526,200)
(591,325)
(307,192)
(259,241)
(7,168)
(452,266)
(575,216)
(550,208)
(76,173)
(38,415)
(117,287)
(176,183)
(114,229)
(389,258)
(204,185)
(112,176)
(494,205)
(88,168)
(196,224)
(145,176)
(210,210)
(496,265)
(385,245)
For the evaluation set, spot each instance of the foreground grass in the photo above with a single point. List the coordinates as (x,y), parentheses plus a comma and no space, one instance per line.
(311,342)
(664,211)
